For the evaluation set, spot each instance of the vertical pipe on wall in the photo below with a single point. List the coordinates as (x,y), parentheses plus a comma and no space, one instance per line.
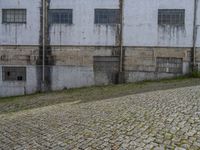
(43,42)
(121,35)
(194,36)
(121,69)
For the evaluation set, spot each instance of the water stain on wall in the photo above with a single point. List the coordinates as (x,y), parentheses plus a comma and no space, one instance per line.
(171,35)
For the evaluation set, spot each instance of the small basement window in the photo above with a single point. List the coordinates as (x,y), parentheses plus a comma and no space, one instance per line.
(173,17)
(107,16)
(60,16)
(14,16)
(14,73)
(169,65)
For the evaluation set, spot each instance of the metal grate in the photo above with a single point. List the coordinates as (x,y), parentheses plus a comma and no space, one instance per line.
(174,17)
(14,15)
(106,69)
(14,73)
(60,16)
(107,16)
(169,65)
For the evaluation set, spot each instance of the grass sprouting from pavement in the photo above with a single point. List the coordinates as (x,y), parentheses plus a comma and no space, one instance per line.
(88,94)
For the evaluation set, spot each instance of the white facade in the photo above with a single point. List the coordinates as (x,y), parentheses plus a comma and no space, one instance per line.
(21,34)
(83,31)
(70,58)
(140,24)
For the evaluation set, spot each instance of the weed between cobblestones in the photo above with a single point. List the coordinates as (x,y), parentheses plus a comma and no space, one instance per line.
(157,120)
(19,103)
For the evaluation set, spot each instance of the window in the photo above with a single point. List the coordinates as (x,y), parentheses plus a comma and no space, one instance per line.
(14,15)
(60,16)
(14,73)
(174,17)
(169,65)
(107,16)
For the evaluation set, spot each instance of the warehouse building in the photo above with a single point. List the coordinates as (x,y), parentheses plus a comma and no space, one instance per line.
(61,44)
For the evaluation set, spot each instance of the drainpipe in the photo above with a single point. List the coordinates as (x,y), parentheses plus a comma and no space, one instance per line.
(43,43)
(121,69)
(194,36)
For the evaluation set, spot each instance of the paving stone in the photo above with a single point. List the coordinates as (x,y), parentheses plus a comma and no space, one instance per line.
(155,120)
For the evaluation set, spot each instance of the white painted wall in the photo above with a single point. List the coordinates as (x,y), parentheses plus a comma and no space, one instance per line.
(21,34)
(71,77)
(83,31)
(141,24)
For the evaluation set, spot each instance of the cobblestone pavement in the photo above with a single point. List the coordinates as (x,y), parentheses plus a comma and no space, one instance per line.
(157,120)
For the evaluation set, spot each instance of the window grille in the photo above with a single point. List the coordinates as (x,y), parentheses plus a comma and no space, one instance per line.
(172,17)
(14,15)
(107,16)
(169,65)
(60,16)
(14,73)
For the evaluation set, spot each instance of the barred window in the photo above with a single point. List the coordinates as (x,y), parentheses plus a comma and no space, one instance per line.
(14,15)
(174,17)
(60,16)
(14,73)
(107,16)
(169,65)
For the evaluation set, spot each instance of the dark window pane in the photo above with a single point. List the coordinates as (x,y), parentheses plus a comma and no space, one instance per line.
(60,16)
(14,73)
(107,16)
(14,15)
(171,17)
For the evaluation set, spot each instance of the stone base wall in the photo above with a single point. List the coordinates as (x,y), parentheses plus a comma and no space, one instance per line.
(198,58)
(140,63)
(79,66)
(19,55)
(13,88)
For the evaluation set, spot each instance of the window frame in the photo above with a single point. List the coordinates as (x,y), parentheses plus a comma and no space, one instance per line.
(50,17)
(24,16)
(174,17)
(116,20)
(6,69)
